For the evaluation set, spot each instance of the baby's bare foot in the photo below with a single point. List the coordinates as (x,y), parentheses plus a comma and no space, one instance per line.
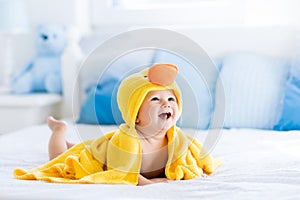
(56,125)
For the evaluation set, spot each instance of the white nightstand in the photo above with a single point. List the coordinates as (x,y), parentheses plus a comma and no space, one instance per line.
(19,111)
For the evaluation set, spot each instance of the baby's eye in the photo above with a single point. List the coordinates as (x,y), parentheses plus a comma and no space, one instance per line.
(155,99)
(171,99)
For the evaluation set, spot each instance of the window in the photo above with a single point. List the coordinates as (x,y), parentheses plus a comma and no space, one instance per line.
(159,4)
(136,13)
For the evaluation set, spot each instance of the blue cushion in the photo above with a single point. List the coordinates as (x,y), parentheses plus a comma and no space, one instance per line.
(100,105)
(197,91)
(253,86)
(290,114)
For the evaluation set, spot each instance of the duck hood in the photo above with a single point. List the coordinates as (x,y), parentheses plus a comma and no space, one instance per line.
(135,87)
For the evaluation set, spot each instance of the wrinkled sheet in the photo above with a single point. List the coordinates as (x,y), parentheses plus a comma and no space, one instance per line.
(259,164)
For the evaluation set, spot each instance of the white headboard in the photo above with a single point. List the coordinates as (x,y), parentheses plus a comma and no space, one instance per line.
(269,40)
(279,41)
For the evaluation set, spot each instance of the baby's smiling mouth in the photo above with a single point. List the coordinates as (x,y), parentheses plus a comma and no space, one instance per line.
(165,115)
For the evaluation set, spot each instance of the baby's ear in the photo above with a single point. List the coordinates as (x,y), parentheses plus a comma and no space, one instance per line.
(137,120)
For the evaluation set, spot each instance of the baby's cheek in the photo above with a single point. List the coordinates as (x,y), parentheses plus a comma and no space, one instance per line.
(149,117)
(176,115)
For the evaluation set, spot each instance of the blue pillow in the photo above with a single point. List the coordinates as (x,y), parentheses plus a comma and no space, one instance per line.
(253,86)
(100,105)
(197,91)
(290,114)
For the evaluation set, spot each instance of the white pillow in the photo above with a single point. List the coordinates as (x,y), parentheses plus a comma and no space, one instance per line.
(254,87)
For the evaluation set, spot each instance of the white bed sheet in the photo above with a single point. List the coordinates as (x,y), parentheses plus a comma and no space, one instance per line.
(258,165)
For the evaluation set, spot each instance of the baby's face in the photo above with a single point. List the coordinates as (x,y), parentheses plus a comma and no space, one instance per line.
(158,112)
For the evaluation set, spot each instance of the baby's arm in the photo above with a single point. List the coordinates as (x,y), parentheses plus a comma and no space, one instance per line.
(144,181)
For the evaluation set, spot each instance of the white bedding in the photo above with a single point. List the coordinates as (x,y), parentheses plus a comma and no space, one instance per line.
(258,165)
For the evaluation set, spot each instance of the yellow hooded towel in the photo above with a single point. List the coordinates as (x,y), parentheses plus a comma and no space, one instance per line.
(116,157)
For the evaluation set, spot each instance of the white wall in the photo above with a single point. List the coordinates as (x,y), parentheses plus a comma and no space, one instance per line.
(62,12)
(78,12)
(272,12)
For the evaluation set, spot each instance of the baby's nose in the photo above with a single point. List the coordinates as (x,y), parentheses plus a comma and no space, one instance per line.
(166,104)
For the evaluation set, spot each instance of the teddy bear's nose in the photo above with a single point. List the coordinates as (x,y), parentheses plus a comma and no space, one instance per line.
(44,37)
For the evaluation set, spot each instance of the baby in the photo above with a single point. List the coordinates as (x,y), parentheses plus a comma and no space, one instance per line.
(147,148)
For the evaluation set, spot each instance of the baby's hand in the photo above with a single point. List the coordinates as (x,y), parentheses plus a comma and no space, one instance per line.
(158,180)
(204,176)
(144,181)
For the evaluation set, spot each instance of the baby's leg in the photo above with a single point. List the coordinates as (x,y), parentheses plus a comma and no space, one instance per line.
(57,142)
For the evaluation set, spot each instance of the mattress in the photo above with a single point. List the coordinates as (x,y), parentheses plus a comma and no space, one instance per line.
(259,164)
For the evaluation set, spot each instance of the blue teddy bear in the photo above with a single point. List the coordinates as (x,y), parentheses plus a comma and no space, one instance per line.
(43,74)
